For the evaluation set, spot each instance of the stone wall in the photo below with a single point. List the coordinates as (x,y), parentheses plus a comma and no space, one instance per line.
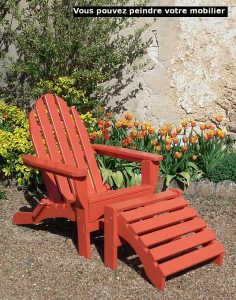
(192,70)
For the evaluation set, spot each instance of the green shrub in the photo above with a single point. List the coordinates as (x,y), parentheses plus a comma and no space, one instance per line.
(225,169)
(15,141)
(51,44)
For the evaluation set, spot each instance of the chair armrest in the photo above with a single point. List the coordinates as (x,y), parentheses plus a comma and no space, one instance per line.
(57,168)
(126,154)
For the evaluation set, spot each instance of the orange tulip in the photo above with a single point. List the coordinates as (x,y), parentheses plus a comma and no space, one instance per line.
(184,148)
(168,139)
(130,125)
(208,125)
(194,157)
(173,134)
(175,140)
(194,139)
(162,132)
(203,126)
(221,134)
(178,154)
(99,134)
(219,118)
(178,129)
(125,123)
(128,116)
(129,139)
(154,142)
(193,123)
(151,130)
(140,136)
(168,147)
(92,136)
(168,127)
(213,127)
(184,123)
(109,115)
(144,127)
(185,139)
(210,135)
(158,148)
(124,143)
(145,133)
(136,123)
(134,133)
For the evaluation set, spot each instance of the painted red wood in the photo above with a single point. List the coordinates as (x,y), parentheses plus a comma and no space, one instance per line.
(124,153)
(54,167)
(117,227)
(164,220)
(153,209)
(172,232)
(183,244)
(64,153)
(193,258)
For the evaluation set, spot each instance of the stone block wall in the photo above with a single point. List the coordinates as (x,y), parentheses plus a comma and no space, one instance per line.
(192,70)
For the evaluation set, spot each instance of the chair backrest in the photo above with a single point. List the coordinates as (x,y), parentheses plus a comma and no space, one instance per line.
(58,133)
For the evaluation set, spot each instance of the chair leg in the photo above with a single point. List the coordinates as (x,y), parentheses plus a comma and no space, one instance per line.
(110,238)
(84,247)
(219,260)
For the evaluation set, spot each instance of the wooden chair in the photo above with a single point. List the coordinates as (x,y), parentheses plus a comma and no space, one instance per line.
(167,235)
(71,175)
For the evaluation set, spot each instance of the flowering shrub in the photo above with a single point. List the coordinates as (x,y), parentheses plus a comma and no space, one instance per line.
(15,141)
(65,87)
(188,153)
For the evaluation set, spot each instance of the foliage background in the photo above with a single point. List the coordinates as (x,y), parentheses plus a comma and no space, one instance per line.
(69,56)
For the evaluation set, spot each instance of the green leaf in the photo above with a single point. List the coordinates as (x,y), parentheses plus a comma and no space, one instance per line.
(193,165)
(186,175)
(169,178)
(138,179)
(118,178)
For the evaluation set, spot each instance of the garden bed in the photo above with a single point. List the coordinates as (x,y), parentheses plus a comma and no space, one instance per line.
(41,262)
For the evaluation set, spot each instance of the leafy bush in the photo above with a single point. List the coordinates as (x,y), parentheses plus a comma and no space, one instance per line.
(15,141)
(52,46)
(225,169)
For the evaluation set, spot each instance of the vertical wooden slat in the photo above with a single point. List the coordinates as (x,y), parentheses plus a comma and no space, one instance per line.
(59,130)
(53,147)
(49,180)
(88,153)
(73,138)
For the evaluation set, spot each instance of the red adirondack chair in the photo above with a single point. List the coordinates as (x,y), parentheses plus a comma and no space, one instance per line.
(154,224)
(71,175)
